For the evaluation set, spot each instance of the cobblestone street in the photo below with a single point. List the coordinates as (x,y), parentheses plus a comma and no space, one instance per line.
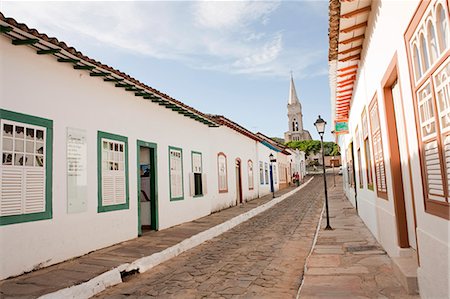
(263,257)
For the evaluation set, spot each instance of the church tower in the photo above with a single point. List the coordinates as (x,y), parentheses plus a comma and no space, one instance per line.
(295,118)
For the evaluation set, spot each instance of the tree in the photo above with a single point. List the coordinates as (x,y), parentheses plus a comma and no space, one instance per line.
(313,146)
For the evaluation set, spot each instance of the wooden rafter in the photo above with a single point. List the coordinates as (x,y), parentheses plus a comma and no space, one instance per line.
(352,39)
(4,29)
(27,41)
(353,57)
(354,27)
(350,50)
(48,51)
(68,60)
(347,68)
(345,90)
(346,84)
(356,12)
(84,67)
(353,78)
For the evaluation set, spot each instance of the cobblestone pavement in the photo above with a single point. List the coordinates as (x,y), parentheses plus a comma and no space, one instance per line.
(79,270)
(261,258)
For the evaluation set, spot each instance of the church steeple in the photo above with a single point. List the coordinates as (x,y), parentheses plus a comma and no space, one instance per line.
(293,99)
(295,117)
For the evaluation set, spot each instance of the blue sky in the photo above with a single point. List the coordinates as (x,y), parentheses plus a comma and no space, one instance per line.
(231,58)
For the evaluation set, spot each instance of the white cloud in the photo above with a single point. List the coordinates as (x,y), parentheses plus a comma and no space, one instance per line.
(268,53)
(232,14)
(233,37)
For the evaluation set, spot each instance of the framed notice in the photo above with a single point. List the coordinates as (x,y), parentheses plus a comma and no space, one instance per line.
(176,173)
(76,170)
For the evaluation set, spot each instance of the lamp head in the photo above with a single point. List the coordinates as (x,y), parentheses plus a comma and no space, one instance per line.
(320,125)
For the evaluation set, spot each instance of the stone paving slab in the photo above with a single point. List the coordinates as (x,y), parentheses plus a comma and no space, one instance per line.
(263,257)
(348,262)
(89,266)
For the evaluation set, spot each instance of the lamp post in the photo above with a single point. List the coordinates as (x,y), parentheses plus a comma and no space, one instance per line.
(272,185)
(320,126)
(334,175)
(333,164)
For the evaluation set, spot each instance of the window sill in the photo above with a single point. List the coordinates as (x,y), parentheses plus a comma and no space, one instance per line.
(13,219)
(123,206)
(177,198)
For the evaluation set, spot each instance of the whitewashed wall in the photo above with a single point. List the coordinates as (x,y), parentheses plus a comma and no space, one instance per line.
(384,38)
(40,86)
(235,146)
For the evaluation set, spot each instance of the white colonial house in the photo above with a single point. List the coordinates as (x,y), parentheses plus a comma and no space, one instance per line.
(92,157)
(390,79)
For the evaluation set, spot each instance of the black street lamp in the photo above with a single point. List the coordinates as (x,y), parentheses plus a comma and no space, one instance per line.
(320,126)
(272,185)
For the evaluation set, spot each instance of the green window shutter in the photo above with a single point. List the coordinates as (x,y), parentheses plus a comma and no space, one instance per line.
(112,172)
(26,168)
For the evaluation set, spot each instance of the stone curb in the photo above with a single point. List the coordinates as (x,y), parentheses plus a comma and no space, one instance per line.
(113,277)
(316,235)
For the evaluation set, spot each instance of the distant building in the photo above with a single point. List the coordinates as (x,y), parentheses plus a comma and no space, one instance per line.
(295,118)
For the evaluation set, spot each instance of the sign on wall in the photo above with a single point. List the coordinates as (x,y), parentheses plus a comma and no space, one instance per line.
(222,165)
(341,127)
(176,173)
(76,171)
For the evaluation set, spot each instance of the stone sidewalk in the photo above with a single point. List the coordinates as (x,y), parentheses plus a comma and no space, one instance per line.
(347,262)
(85,268)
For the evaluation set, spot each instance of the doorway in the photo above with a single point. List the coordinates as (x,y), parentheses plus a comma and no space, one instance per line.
(147,187)
(239,199)
(400,166)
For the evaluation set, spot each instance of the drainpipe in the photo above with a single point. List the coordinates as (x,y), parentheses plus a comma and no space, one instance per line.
(257,167)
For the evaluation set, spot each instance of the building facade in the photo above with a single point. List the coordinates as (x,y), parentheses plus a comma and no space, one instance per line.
(390,78)
(295,117)
(92,157)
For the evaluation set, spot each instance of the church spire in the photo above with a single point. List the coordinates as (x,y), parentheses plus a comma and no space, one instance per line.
(293,99)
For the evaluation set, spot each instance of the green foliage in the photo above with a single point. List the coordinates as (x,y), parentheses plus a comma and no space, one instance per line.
(313,147)
(277,139)
(335,150)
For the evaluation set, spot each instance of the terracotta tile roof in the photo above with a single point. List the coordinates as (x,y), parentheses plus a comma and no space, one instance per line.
(334,10)
(47,43)
(220,119)
(283,148)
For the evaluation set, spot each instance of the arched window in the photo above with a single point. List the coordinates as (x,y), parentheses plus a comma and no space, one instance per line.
(432,42)
(424,54)
(222,172)
(442,28)
(417,63)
